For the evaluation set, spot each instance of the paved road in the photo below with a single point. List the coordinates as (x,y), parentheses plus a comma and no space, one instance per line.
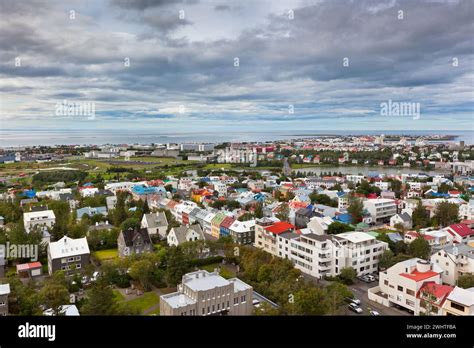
(359,289)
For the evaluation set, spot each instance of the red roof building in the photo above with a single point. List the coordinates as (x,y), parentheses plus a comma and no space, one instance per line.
(280,227)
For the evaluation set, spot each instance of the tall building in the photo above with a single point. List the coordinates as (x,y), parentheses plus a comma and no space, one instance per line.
(206,293)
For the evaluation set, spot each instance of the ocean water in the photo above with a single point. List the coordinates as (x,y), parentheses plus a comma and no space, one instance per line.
(48,137)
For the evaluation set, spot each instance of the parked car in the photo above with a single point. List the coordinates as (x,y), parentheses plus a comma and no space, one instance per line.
(355,308)
(376,276)
(374,313)
(364,278)
(370,278)
(84,280)
(354,300)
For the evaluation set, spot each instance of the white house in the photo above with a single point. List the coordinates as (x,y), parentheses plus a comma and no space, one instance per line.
(155,223)
(459,302)
(381,209)
(179,235)
(455,260)
(466,211)
(403,219)
(401,283)
(320,224)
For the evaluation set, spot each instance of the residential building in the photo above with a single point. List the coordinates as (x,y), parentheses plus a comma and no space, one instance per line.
(4,292)
(403,218)
(216,224)
(304,215)
(243,232)
(134,241)
(205,293)
(320,225)
(461,233)
(455,260)
(381,209)
(466,211)
(155,223)
(459,302)
(181,234)
(225,226)
(266,232)
(400,284)
(68,255)
(38,219)
(90,211)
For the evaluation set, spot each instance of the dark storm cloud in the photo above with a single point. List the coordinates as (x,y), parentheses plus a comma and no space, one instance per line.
(282,60)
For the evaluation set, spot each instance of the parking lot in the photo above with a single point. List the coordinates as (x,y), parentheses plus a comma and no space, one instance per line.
(359,289)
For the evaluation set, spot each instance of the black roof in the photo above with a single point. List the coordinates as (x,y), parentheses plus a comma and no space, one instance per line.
(131,235)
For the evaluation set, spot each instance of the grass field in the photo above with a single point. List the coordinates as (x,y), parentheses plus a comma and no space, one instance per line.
(103,255)
(142,303)
(225,272)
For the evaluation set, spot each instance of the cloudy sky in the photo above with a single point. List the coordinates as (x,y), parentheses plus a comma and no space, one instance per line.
(172,65)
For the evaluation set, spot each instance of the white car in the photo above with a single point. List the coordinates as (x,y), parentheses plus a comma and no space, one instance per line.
(355,308)
(374,313)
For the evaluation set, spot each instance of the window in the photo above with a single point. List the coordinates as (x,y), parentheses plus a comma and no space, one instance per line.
(457,306)
(400,288)
(203,311)
(78,258)
(78,266)
(410,292)
(213,308)
(236,301)
(242,298)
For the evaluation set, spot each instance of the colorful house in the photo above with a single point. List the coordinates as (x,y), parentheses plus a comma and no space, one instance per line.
(225,225)
(216,224)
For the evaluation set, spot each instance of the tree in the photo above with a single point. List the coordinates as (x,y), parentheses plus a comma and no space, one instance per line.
(310,301)
(54,292)
(386,259)
(232,204)
(446,213)
(142,271)
(283,212)
(176,266)
(119,214)
(101,301)
(347,275)
(338,227)
(336,293)
(356,209)
(132,223)
(258,211)
(420,248)
(466,281)
(420,216)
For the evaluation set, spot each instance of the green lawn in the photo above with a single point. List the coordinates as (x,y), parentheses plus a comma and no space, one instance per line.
(103,255)
(225,272)
(147,300)
(118,295)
